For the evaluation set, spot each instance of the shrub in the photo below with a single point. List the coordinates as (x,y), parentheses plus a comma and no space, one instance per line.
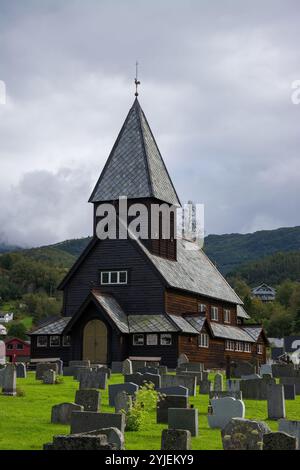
(20,392)
(144,402)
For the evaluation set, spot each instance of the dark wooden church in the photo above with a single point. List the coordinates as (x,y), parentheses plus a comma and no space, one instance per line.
(145,297)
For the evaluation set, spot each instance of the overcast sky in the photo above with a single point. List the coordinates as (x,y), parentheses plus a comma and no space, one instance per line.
(216,89)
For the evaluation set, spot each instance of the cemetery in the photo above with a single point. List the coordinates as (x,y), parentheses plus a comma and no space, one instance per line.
(85,406)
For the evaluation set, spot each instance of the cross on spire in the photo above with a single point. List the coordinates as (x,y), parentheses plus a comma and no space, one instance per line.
(136,81)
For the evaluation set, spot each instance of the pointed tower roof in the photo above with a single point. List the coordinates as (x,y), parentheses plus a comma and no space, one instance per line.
(135,167)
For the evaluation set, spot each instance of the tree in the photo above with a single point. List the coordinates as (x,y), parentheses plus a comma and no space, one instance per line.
(17,330)
(285,291)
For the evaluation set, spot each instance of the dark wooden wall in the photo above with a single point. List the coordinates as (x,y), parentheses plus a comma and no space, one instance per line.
(144,292)
(63,352)
(168,354)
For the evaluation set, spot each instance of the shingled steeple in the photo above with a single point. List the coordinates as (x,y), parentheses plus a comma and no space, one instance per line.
(135,167)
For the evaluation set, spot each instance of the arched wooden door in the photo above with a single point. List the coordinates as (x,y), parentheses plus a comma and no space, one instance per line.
(95,341)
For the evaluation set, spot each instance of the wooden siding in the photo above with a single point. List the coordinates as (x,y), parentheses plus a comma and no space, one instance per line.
(169,354)
(144,292)
(63,352)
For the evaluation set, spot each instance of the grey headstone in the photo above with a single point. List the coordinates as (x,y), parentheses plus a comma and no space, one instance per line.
(123,402)
(266,369)
(84,363)
(135,365)
(290,427)
(166,402)
(276,403)
(223,410)
(250,377)
(42,367)
(190,373)
(80,442)
(2,372)
(186,381)
(242,368)
(183,418)
(218,382)
(114,389)
(183,359)
(223,394)
(94,379)
(49,377)
(21,370)
(60,366)
(85,421)
(279,441)
(283,370)
(176,390)
(191,367)
(80,371)
(244,434)
(2,353)
(114,436)
(175,439)
(233,385)
(205,387)
(256,389)
(127,367)
(155,379)
(291,381)
(289,392)
(9,380)
(61,414)
(117,367)
(90,399)
(148,370)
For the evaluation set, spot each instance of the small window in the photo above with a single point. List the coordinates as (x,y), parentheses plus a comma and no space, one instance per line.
(260,349)
(215,313)
(9,346)
(41,341)
(247,347)
(114,277)
(238,321)
(201,308)
(239,346)
(226,316)
(20,346)
(54,341)
(203,340)
(66,341)
(165,339)
(138,340)
(152,340)
(229,345)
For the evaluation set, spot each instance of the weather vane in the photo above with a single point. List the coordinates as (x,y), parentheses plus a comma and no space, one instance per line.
(136,81)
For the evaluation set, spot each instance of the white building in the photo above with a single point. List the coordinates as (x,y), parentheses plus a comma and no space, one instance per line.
(3,330)
(6,317)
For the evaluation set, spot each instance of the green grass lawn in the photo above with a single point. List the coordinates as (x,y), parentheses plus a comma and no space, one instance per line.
(25,421)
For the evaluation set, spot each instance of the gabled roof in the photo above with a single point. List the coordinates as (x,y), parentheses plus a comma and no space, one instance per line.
(113,310)
(54,327)
(241,312)
(135,167)
(264,289)
(150,324)
(183,325)
(231,332)
(253,330)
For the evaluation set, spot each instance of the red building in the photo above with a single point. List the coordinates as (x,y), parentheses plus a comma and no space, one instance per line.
(17,350)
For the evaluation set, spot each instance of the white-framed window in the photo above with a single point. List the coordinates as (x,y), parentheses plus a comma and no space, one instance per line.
(203,340)
(226,315)
(42,341)
(201,308)
(152,339)
(166,339)
(54,341)
(214,313)
(113,277)
(138,339)
(66,341)
(247,347)
(229,345)
(260,349)
(239,346)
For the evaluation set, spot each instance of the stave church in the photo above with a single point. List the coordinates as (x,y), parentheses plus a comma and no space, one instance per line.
(141,297)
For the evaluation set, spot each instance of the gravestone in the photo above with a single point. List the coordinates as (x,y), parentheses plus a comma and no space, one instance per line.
(223,410)
(84,421)
(175,439)
(244,434)
(290,427)
(123,402)
(205,387)
(218,382)
(49,377)
(233,385)
(60,366)
(134,378)
(223,394)
(186,381)
(9,380)
(155,379)
(84,363)
(289,392)
(276,404)
(166,402)
(68,372)
(205,375)
(127,367)
(94,379)
(117,367)
(148,370)
(114,389)
(198,375)
(90,399)
(291,381)
(266,369)
(114,436)
(283,370)
(80,442)
(2,372)
(61,414)
(2,353)
(183,418)
(80,371)
(191,367)
(162,370)
(256,389)
(183,359)
(279,441)
(103,369)
(250,377)
(42,367)
(137,365)
(21,370)
(176,390)
(242,368)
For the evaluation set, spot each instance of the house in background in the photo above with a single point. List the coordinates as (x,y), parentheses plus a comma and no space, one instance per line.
(6,317)
(148,296)
(17,350)
(264,292)
(3,330)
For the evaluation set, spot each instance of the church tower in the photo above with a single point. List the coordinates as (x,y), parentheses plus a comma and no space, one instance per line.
(135,170)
